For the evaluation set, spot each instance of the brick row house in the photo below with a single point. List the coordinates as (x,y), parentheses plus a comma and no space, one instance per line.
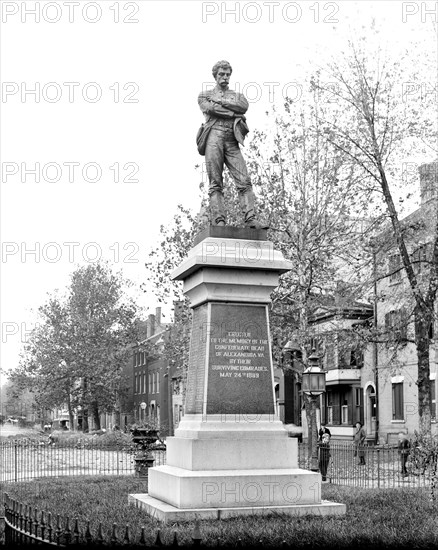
(150,389)
(156,380)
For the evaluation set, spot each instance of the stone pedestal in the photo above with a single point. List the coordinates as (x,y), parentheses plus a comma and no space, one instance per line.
(230,454)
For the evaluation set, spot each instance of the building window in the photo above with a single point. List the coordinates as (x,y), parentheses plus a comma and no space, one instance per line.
(396,323)
(329,415)
(356,358)
(420,258)
(135,359)
(344,412)
(358,396)
(150,382)
(144,382)
(135,383)
(358,400)
(158,381)
(433,400)
(397,401)
(394,268)
(329,407)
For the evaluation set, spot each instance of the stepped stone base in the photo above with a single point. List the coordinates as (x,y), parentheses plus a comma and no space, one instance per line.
(167,513)
(234,488)
(225,454)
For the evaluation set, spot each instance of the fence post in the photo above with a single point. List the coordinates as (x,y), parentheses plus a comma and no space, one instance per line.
(16,461)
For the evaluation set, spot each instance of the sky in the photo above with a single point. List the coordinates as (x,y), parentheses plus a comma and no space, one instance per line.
(99,118)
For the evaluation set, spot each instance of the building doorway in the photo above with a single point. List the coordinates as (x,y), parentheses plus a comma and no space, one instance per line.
(370,411)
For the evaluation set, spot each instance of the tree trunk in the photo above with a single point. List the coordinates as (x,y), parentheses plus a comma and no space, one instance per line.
(96,416)
(70,413)
(423,319)
(85,426)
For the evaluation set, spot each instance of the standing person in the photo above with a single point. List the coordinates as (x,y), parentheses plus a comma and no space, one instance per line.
(359,443)
(323,430)
(218,139)
(324,455)
(404,446)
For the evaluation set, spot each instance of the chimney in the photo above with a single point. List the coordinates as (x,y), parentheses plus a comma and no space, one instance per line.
(150,325)
(428,181)
(158,316)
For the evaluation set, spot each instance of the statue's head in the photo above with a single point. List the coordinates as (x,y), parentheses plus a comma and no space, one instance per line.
(221,65)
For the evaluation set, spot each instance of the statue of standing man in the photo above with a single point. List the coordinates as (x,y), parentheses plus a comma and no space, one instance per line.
(219,137)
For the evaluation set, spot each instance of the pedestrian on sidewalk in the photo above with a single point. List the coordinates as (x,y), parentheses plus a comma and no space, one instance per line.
(323,430)
(359,443)
(404,446)
(324,455)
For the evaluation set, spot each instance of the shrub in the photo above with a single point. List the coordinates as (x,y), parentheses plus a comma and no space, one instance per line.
(423,458)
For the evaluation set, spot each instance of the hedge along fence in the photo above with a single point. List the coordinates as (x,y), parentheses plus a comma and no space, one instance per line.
(27,525)
(23,460)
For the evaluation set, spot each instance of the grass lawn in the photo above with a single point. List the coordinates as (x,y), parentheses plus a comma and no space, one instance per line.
(398,517)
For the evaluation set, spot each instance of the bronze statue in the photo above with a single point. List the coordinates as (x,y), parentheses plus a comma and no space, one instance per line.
(218,138)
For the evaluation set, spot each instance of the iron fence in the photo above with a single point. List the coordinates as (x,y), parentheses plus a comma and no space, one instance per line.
(24,460)
(26,525)
(381,466)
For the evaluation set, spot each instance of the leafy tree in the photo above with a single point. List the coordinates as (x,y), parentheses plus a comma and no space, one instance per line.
(75,355)
(175,242)
(308,192)
(382,128)
(45,362)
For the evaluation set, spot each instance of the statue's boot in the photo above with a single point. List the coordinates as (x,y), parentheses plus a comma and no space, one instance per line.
(247,204)
(217,208)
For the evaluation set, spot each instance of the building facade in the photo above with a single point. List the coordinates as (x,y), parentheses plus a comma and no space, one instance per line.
(157,381)
(374,382)
(397,358)
(350,372)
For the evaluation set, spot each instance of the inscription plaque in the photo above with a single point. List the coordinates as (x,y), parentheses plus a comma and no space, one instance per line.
(196,373)
(239,366)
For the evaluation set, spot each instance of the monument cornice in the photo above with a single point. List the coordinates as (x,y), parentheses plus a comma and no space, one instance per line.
(232,253)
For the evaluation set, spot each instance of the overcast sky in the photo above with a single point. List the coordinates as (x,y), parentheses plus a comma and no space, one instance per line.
(115,88)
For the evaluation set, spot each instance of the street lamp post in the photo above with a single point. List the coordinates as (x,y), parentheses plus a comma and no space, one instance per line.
(313,385)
